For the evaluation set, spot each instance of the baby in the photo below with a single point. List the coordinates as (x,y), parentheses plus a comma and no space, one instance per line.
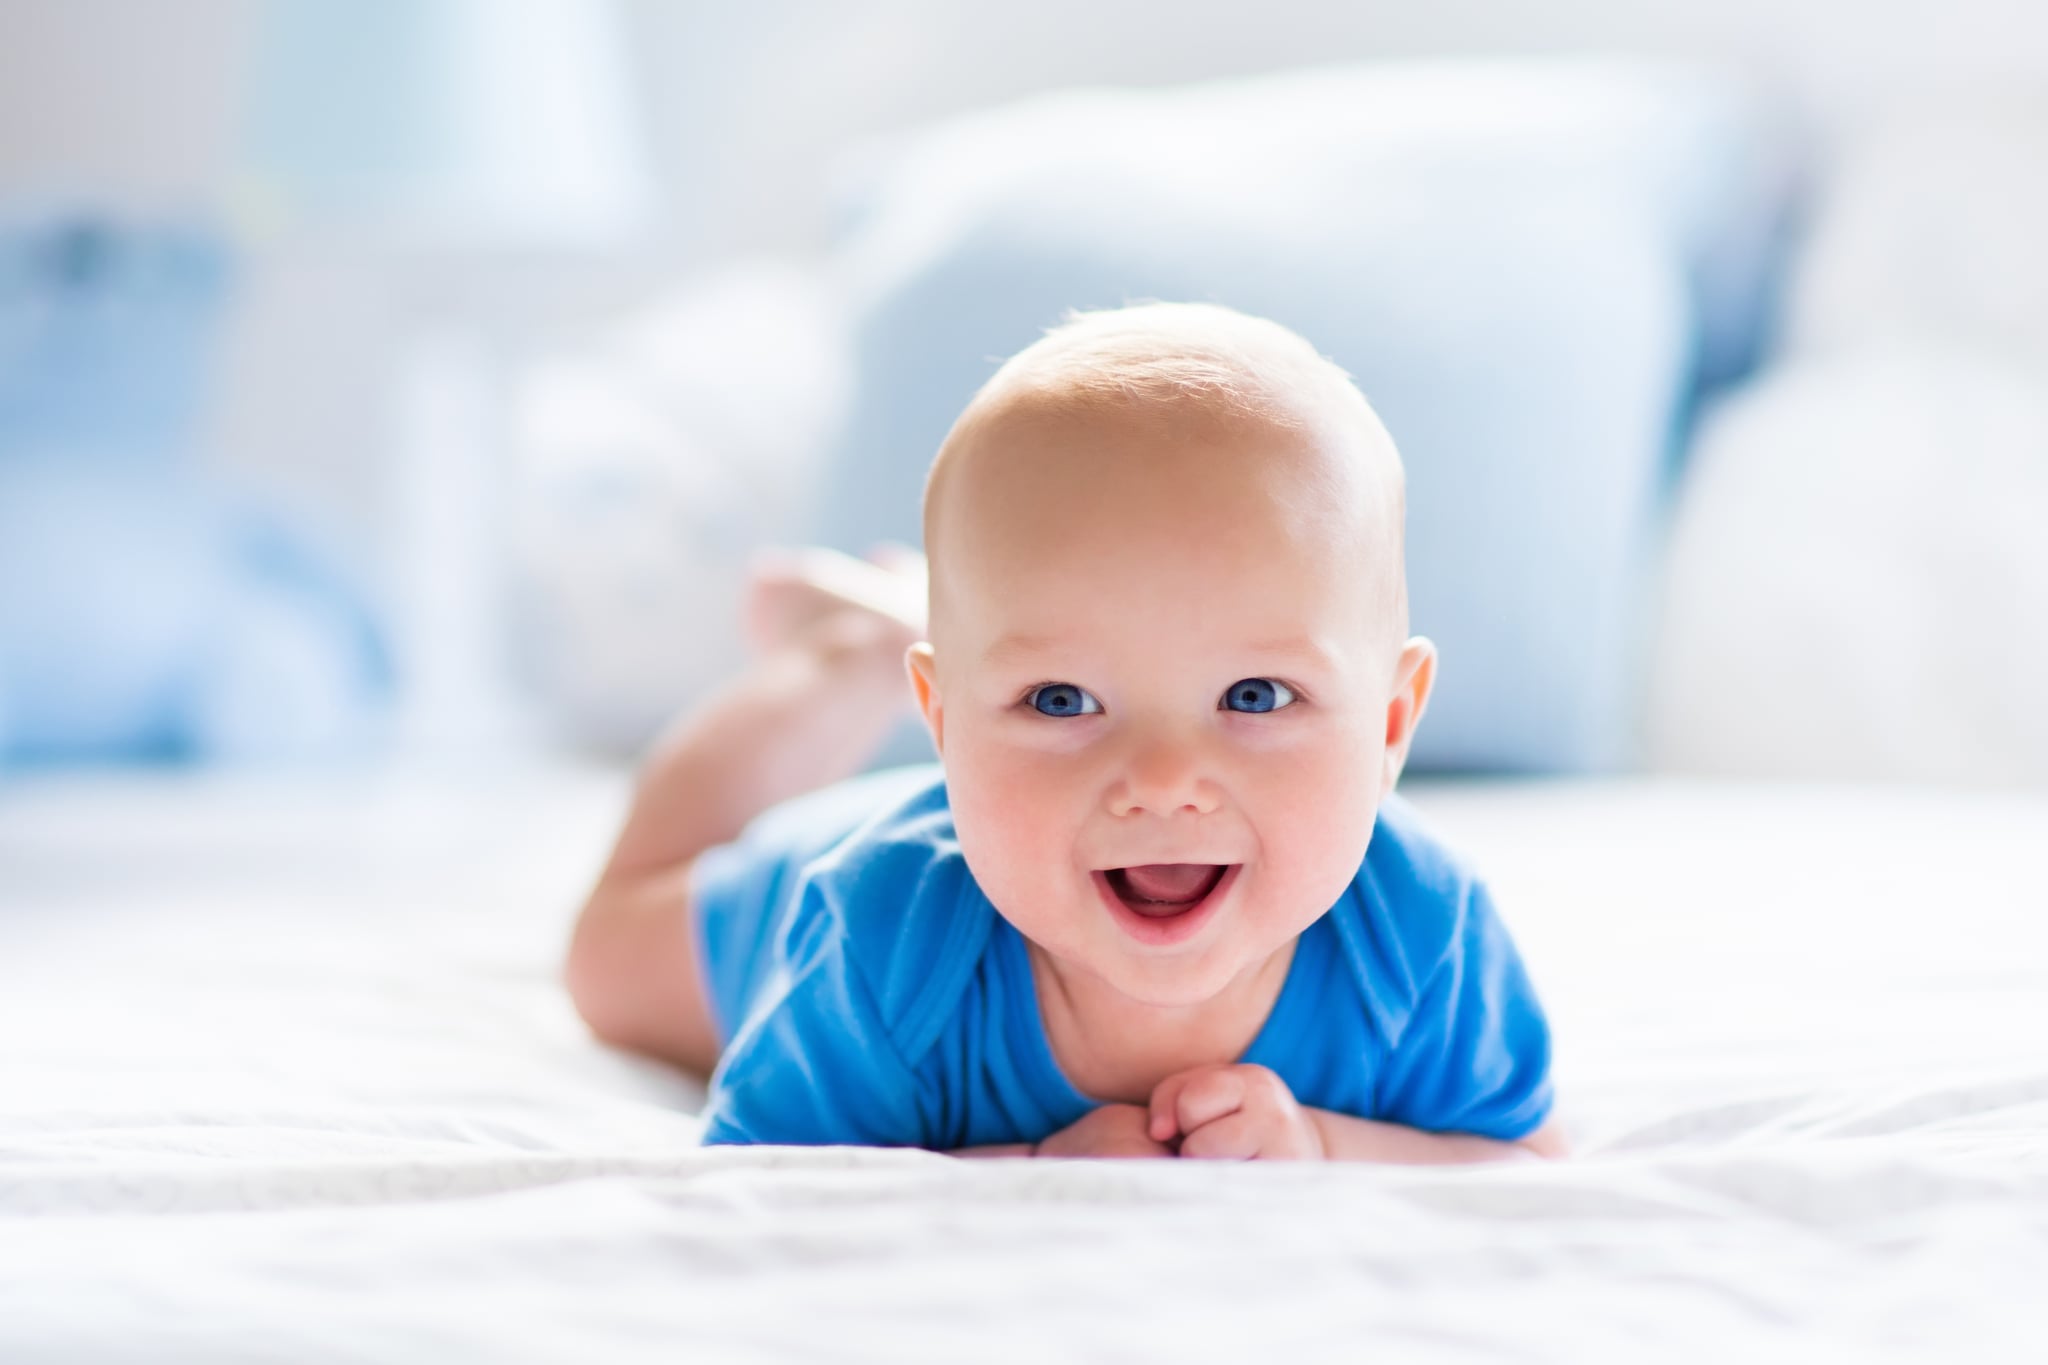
(1157,898)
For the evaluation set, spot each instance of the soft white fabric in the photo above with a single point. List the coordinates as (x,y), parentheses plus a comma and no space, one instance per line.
(288,1076)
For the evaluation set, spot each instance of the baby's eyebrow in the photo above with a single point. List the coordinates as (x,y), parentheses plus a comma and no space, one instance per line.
(1302,647)
(1015,646)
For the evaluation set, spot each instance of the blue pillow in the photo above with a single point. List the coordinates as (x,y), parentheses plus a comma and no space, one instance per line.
(146,614)
(1530,268)
(146,617)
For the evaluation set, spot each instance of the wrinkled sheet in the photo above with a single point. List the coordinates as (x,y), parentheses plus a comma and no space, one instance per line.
(286,1075)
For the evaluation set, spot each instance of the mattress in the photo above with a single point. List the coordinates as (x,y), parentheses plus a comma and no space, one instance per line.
(288,1075)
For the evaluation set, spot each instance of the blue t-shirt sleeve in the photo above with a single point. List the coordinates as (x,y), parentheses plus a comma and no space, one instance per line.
(813,1063)
(740,890)
(1475,1055)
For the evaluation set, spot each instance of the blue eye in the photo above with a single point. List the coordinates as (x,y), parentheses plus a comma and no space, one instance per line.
(1257,694)
(1063,699)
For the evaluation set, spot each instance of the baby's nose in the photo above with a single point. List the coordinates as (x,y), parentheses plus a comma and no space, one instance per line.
(1165,776)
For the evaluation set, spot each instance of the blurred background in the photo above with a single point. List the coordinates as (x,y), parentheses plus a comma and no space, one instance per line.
(409,380)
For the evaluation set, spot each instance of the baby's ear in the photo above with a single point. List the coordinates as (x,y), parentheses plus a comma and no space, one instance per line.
(1414,676)
(924,681)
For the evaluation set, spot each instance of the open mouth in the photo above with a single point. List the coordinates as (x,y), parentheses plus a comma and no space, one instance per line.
(1163,905)
(1163,890)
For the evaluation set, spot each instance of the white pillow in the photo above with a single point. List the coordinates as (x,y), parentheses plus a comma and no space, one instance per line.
(1857,584)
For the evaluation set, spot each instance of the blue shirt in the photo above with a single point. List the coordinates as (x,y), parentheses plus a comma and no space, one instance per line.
(867,992)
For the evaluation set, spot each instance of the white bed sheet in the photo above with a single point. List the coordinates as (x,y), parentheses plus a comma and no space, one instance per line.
(287,1076)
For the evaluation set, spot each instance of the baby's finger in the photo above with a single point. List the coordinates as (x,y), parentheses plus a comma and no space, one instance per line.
(1162,1126)
(1234,1137)
(1207,1096)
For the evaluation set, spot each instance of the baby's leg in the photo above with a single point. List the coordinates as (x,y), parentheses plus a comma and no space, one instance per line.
(790,588)
(826,685)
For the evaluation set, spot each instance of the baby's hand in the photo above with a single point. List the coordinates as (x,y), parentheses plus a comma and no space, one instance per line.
(1114,1130)
(1237,1112)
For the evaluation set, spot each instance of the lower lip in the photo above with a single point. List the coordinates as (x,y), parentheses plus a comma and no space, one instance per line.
(1165,931)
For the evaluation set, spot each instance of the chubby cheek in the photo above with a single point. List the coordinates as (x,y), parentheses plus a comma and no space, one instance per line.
(1018,822)
(1314,819)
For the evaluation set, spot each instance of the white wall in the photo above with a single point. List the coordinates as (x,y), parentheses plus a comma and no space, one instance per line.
(118,95)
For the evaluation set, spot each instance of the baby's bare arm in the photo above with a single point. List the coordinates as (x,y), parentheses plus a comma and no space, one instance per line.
(1110,1130)
(1354,1139)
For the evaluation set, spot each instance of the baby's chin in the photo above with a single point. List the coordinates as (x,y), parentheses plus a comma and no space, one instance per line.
(1169,984)
(1188,977)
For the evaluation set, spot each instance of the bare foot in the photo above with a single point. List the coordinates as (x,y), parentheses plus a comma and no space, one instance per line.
(829,634)
(791,591)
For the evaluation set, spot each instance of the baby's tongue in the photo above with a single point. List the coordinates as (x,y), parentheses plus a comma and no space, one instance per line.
(1168,881)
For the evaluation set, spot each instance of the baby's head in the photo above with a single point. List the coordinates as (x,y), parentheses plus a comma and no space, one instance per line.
(1169,632)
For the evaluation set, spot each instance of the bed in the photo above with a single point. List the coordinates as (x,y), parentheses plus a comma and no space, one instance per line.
(288,1076)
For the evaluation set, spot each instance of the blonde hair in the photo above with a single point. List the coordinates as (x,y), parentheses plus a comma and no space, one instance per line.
(1167,352)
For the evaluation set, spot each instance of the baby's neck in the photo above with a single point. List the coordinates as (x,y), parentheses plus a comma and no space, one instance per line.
(1114,1049)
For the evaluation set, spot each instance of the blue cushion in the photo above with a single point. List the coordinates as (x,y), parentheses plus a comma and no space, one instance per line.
(1530,268)
(144,617)
(106,335)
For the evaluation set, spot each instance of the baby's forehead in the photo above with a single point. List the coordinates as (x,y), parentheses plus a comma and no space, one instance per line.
(1128,500)
(1127,452)
(1192,367)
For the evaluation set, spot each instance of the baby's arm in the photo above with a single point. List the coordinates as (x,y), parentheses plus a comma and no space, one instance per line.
(1346,1138)
(1109,1130)
(1243,1112)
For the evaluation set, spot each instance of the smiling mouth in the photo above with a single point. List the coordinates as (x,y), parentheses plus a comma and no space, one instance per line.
(1163,890)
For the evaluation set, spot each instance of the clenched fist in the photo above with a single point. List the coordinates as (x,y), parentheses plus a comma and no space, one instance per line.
(1235,1112)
